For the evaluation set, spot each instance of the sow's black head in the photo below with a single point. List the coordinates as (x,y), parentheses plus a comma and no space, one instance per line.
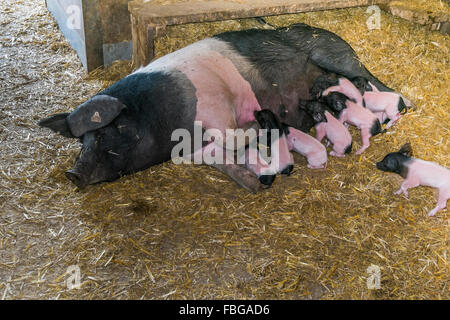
(315,109)
(321,84)
(362,84)
(396,161)
(105,146)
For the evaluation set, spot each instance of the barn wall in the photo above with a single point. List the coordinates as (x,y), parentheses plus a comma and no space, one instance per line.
(105,33)
(76,37)
(116,30)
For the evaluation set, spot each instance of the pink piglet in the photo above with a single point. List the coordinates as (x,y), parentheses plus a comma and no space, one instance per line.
(416,173)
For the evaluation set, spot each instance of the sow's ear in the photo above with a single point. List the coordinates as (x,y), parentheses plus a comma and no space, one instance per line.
(58,124)
(95,113)
(406,149)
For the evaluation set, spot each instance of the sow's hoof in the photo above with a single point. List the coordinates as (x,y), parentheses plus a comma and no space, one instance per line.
(242,176)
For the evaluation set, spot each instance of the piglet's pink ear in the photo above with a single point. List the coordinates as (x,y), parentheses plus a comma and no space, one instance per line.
(406,149)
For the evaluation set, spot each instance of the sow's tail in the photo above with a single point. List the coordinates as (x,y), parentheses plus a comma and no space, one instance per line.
(265,24)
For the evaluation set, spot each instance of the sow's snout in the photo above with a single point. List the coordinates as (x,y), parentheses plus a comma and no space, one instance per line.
(91,166)
(81,173)
(77,178)
(91,169)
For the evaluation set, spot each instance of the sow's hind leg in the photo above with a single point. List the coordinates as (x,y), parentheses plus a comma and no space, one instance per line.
(342,60)
(330,52)
(339,57)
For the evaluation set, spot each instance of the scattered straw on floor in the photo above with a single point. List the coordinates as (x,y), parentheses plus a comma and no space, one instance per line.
(431,6)
(188,231)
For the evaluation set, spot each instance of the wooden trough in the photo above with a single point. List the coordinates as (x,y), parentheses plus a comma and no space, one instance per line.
(150,21)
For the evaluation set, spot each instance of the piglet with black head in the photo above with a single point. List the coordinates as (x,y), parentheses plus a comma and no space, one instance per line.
(354,114)
(346,87)
(328,126)
(387,106)
(322,83)
(418,172)
(362,84)
(280,154)
(307,146)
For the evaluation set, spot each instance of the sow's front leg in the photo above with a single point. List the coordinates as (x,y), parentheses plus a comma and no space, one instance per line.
(241,175)
(220,158)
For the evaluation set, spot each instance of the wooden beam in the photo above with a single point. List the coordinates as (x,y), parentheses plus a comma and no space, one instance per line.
(149,20)
(181,13)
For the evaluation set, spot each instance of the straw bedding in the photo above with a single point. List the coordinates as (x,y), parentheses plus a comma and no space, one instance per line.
(433,7)
(188,231)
